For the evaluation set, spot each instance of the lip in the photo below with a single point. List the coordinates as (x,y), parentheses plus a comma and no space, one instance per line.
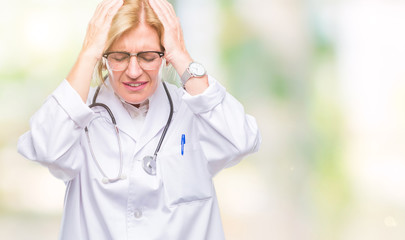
(133,88)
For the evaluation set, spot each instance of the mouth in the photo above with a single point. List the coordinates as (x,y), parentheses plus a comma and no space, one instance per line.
(134,86)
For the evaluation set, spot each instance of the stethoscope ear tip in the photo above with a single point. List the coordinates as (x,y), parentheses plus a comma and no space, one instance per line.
(107,180)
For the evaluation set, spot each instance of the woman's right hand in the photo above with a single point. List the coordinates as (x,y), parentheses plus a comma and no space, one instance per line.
(99,26)
(94,43)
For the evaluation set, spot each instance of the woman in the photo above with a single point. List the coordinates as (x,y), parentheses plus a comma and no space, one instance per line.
(150,175)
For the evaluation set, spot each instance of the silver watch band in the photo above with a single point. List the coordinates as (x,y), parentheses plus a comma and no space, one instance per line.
(185,77)
(194,69)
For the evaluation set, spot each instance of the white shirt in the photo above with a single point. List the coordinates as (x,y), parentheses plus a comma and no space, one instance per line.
(137,114)
(180,201)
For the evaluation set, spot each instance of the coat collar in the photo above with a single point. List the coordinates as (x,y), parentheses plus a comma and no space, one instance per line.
(156,118)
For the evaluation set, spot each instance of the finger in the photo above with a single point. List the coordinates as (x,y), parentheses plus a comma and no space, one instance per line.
(114,9)
(156,8)
(104,10)
(173,36)
(166,7)
(97,16)
(111,8)
(100,7)
(181,36)
(163,12)
(101,21)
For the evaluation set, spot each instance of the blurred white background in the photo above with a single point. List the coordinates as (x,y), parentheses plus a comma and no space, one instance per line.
(324,78)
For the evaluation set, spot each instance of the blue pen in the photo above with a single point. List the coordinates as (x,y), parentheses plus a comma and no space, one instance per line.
(183,141)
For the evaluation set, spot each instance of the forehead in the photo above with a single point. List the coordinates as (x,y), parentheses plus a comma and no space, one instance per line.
(140,38)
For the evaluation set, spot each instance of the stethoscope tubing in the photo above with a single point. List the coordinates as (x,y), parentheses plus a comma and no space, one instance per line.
(169,120)
(107,179)
(149,164)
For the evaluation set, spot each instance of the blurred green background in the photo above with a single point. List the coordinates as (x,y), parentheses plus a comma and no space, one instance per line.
(324,79)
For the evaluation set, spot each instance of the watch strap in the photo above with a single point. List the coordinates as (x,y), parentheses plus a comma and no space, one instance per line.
(185,77)
(189,73)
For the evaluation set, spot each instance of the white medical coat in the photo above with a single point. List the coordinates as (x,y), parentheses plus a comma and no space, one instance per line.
(180,201)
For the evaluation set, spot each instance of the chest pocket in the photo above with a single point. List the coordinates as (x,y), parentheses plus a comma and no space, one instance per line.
(185,177)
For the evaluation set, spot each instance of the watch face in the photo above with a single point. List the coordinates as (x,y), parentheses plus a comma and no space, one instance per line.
(197,69)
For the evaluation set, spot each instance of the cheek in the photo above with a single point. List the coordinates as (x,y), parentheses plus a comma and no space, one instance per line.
(114,80)
(152,75)
(115,76)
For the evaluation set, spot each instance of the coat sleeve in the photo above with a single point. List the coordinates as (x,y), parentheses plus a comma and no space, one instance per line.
(227,133)
(55,129)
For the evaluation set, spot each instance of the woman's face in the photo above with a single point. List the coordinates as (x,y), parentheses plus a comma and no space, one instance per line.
(135,84)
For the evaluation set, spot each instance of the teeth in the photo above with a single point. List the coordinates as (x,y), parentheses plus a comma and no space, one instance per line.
(135,84)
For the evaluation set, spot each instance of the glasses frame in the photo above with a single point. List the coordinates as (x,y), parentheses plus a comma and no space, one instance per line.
(105,55)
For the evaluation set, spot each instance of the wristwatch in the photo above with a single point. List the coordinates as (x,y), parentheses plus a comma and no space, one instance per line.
(194,70)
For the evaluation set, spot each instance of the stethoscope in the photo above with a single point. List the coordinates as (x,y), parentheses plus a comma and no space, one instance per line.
(149,162)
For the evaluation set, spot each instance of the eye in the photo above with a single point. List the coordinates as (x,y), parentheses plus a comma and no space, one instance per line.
(148,56)
(118,57)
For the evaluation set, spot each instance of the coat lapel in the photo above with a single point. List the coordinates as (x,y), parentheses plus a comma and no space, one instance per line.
(122,117)
(156,118)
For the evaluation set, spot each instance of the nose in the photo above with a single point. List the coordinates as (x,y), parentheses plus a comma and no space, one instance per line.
(134,70)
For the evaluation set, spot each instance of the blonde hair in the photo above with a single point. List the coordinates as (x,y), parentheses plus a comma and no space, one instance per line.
(129,16)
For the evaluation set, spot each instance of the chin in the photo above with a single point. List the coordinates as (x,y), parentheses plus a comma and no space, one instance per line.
(135,101)
(135,97)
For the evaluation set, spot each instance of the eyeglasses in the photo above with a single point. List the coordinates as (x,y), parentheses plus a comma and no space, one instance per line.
(148,60)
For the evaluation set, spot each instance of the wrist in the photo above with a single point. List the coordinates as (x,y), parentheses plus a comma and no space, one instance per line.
(180,61)
(83,68)
(194,70)
(89,56)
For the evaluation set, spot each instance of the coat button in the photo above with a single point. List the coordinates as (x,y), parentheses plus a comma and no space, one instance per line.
(138,213)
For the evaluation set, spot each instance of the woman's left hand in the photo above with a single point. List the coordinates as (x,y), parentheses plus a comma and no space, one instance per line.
(173,41)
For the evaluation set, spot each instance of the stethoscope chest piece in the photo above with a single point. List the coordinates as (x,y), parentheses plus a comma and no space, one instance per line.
(149,164)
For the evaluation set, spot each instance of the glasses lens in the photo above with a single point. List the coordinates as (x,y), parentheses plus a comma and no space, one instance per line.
(146,60)
(149,60)
(118,61)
